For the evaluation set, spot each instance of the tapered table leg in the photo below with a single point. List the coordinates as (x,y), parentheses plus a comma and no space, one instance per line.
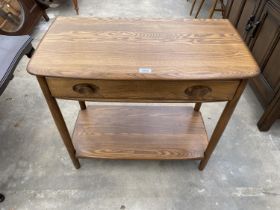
(221,125)
(59,121)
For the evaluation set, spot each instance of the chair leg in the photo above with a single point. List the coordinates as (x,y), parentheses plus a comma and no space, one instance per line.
(223,8)
(45,15)
(199,8)
(2,197)
(212,10)
(75,3)
(193,4)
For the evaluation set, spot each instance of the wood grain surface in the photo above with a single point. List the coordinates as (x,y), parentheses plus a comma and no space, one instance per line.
(115,49)
(187,91)
(140,132)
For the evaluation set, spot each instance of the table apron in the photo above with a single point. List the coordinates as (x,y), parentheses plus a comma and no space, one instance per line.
(142,90)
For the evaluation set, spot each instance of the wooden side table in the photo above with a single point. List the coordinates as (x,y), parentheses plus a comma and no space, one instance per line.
(196,61)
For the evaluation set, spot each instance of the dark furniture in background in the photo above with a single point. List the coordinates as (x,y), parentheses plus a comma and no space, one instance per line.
(258,22)
(12,49)
(19,17)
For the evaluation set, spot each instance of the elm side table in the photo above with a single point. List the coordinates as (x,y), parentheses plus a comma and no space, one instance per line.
(121,60)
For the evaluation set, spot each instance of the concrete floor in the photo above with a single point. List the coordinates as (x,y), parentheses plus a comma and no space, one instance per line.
(36,172)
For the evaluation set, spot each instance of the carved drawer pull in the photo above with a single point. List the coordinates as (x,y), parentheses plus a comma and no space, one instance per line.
(197,91)
(85,88)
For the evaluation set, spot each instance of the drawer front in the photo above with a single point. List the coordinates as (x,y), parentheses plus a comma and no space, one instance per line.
(142,90)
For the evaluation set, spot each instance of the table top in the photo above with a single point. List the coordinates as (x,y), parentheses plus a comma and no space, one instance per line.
(155,49)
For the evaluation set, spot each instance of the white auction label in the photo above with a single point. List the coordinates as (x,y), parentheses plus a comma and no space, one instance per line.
(145,70)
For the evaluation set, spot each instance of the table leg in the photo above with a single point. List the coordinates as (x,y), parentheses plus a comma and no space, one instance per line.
(228,9)
(59,121)
(75,3)
(82,105)
(197,106)
(221,125)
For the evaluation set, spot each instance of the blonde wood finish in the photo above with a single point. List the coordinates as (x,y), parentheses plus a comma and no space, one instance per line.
(88,48)
(199,8)
(140,132)
(146,90)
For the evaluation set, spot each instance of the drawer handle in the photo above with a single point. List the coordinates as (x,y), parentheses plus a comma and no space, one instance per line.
(85,88)
(197,91)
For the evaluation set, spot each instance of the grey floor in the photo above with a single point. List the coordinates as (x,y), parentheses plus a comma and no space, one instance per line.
(36,172)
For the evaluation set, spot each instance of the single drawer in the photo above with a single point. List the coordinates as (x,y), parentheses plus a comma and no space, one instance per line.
(142,89)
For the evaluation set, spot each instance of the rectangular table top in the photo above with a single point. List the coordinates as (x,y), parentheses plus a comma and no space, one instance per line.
(157,49)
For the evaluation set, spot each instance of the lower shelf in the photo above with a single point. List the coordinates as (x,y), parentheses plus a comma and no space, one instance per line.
(140,132)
